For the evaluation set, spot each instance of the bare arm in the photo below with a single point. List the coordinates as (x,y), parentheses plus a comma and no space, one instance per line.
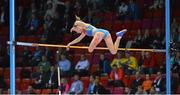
(77,39)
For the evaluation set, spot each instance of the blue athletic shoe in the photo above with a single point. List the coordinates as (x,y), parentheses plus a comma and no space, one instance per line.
(121,33)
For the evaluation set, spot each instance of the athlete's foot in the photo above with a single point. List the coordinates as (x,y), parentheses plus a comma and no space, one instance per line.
(121,33)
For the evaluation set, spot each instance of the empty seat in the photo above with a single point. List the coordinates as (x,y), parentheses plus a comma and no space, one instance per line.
(6,73)
(85,81)
(24,84)
(46,91)
(117,26)
(18,72)
(146,23)
(18,84)
(7,82)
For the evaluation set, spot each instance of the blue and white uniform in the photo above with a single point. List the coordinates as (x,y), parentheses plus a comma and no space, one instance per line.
(89,31)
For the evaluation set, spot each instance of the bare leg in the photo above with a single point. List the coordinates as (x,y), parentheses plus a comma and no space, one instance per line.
(112,47)
(95,41)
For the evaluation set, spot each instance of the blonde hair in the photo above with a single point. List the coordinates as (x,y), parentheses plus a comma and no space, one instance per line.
(77,18)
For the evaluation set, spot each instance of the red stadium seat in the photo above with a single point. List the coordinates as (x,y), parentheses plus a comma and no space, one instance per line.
(117,26)
(55,91)
(136,25)
(46,91)
(148,14)
(93,68)
(158,13)
(7,82)
(18,72)
(6,73)
(178,90)
(37,91)
(4,92)
(117,90)
(18,84)
(1,71)
(146,23)
(25,83)
(85,81)
(104,81)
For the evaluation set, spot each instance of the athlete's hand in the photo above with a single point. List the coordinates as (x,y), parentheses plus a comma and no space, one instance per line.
(67,48)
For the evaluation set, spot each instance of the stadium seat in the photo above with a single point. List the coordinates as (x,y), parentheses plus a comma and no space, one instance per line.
(117,26)
(146,23)
(178,90)
(18,72)
(156,23)
(136,25)
(46,91)
(85,81)
(1,71)
(25,83)
(104,80)
(158,13)
(55,91)
(117,90)
(7,82)
(18,83)
(6,73)
(37,91)
(4,92)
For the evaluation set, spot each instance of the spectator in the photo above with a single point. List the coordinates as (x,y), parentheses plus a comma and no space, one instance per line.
(52,7)
(177,35)
(2,83)
(159,83)
(26,56)
(136,42)
(152,91)
(129,63)
(41,79)
(76,86)
(174,27)
(147,39)
(98,88)
(64,65)
(52,80)
(48,53)
(158,4)
(140,90)
(45,64)
(32,25)
(158,39)
(149,64)
(116,77)
(2,56)
(82,66)
(176,65)
(127,91)
(64,87)
(36,57)
(91,85)
(133,10)
(30,90)
(147,84)
(117,60)
(137,82)
(20,19)
(104,65)
(122,11)
(2,16)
